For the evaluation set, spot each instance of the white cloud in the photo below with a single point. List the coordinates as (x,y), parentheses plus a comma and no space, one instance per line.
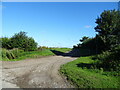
(88,26)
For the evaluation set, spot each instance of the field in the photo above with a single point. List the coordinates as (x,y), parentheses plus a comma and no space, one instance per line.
(62,49)
(81,76)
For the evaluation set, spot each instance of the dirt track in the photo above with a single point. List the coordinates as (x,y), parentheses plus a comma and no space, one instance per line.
(35,73)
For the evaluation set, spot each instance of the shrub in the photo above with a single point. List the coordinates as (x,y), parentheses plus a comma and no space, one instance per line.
(40,48)
(5,43)
(110,60)
(104,56)
(19,40)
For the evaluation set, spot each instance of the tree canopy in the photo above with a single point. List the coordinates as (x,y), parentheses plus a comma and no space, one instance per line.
(108,28)
(19,40)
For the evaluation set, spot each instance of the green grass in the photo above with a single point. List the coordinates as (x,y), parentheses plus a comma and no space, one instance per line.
(62,49)
(31,54)
(82,77)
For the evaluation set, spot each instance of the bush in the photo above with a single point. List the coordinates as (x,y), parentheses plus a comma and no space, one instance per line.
(40,48)
(19,40)
(110,59)
(96,45)
(104,56)
(5,43)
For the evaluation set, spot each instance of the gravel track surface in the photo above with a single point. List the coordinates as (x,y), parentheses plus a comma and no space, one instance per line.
(35,73)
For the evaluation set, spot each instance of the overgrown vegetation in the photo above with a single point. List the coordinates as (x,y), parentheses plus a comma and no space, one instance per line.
(19,40)
(83,74)
(20,46)
(110,60)
(10,54)
(107,42)
(102,68)
(17,54)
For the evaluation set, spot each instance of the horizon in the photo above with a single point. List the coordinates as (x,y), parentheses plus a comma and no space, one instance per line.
(53,24)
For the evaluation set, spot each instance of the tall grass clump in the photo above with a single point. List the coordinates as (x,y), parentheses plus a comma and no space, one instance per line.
(4,54)
(10,54)
(16,52)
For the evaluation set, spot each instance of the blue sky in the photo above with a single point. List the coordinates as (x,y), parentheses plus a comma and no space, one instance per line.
(53,24)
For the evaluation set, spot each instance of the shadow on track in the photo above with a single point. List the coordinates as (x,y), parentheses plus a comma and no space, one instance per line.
(73,53)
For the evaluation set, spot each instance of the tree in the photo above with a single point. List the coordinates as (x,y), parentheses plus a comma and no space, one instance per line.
(84,38)
(5,43)
(107,22)
(108,27)
(30,44)
(22,41)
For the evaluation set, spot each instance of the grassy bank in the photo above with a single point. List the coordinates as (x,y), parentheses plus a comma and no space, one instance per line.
(29,54)
(34,54)
(16,54)
(83,77)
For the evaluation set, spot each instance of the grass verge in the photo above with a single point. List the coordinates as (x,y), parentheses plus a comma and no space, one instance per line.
(31,54)
(9,55)
(83,77)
